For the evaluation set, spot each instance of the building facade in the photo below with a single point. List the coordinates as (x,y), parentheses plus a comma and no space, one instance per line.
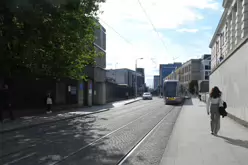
(165,70)
(94,90)
(155,82)
(229,64)
(205,66)
(126,77)
(142,72)
(190,71)
(197,70)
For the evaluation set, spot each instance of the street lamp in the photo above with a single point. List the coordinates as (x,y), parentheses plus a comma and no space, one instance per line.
(136,85)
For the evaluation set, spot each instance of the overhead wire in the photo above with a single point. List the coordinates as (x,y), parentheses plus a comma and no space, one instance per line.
(150,21)
(126,40)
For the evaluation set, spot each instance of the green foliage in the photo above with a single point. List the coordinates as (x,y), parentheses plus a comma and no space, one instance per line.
(47,37)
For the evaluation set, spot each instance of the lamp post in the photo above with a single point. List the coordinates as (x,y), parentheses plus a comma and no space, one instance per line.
(136,85)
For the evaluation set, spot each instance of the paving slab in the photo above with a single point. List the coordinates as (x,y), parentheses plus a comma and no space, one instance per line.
(192,144)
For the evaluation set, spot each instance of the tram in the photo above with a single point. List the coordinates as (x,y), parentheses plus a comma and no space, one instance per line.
(173,92)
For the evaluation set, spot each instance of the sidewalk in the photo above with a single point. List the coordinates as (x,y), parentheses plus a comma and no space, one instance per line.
(31,121)
(192,144)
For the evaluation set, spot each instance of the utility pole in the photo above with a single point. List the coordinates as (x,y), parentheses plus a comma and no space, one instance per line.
(136,85)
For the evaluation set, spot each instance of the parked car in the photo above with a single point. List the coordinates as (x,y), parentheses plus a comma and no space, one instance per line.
(147,96)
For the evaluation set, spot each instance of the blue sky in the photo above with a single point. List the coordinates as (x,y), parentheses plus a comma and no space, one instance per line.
(184,28)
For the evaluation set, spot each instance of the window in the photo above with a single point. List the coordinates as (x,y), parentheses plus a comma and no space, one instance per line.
(226,31)
(170,89)
(222,38)
(217,47)
(207,67)
(206,77)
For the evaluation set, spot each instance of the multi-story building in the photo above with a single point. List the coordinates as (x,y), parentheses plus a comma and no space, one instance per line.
(203,84)
(193,70)
(205,66)
(165,70)
(126,77)
(142,72)
(96,87)
(175,75)
(229,62)
(155,82)
(190,70)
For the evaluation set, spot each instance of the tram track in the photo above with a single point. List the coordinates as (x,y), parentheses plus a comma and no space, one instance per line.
(125,156)
(129,153)
(111,135)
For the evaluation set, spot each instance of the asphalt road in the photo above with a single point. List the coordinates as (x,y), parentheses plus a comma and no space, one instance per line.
(133,134)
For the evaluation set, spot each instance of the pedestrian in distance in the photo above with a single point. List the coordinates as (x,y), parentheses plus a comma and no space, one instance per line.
(5,102)
(49,103)
(199,96)
(213,104)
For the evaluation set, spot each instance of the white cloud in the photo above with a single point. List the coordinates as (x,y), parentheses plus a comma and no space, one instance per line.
(128,19)
(188,30)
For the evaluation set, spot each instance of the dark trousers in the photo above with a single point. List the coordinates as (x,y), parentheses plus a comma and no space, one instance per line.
(49,106)
(7,108)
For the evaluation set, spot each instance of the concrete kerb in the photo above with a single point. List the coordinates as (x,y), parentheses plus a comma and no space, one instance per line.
(238,120)
(132,102)
(49,122)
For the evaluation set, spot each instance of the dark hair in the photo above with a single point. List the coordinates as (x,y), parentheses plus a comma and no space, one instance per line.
(215,92)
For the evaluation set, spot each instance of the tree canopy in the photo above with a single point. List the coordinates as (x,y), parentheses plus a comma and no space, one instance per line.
(47,37)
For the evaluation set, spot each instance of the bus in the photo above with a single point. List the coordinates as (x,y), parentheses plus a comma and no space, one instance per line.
(173,92)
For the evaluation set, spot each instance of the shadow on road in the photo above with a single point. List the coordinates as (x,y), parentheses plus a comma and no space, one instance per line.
(52,143)
(237,142)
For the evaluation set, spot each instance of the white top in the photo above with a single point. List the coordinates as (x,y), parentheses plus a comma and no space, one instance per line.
(214,101)
(49,100)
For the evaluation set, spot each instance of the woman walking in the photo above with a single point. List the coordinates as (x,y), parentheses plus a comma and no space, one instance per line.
(49,103)
(213,103)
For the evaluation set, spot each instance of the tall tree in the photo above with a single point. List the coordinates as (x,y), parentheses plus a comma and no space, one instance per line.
(47,37)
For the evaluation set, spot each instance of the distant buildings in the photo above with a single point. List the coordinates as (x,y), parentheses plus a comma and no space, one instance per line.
(229,64)
(96,93)
(142,72)
(127,77)
(192,72)
(155,82)
(165,70)
(205,66)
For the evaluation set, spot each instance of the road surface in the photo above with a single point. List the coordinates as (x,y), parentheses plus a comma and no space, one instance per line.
(133,134)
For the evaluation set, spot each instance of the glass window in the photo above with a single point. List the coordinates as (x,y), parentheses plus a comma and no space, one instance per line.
(170,89)
(207,67)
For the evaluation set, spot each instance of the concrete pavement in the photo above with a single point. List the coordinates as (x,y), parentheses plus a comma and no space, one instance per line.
(192,144)
(32,121)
